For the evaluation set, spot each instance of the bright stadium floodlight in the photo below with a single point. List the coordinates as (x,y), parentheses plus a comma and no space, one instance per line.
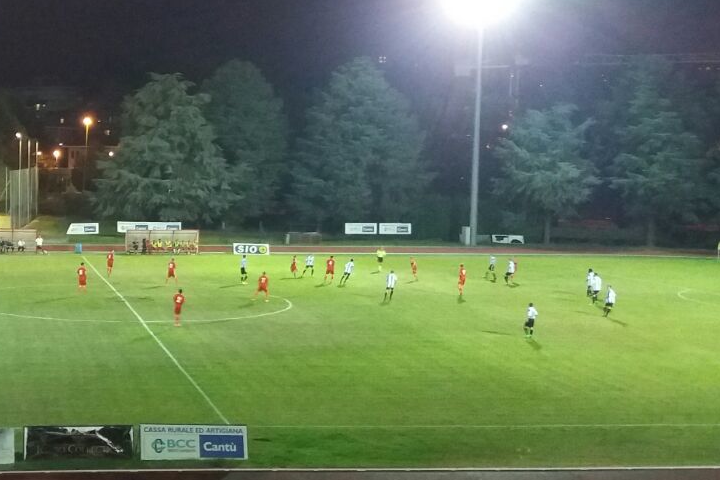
(478,13)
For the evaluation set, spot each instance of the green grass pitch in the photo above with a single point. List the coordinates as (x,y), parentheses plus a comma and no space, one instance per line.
(328,377)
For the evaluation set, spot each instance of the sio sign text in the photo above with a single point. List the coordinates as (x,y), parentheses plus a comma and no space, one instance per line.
(251,249)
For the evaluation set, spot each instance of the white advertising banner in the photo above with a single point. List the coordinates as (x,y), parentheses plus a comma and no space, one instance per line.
(7,446)
(123,227)
(251,249)
(193,442)
(360,228)
(396,229)
(83,229)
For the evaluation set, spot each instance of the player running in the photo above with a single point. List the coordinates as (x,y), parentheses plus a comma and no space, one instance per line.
(589,281)
(178,301)
(391,281)
(349,267)
(510,272)
(82,277)
(110,262)
(380,257)
(329,269)
(309,263)
(413,268)
(243,270)
(293,266)
(462,275)
(39,245)
(529,327)
(491,269)
(596,287)
(609,301)
(171,271)
(262,287)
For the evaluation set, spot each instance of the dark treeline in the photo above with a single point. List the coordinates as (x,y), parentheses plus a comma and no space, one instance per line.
(642,151)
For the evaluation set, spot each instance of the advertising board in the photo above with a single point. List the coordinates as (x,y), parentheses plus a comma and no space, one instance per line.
(251,249)
(83,229)
(193,442)
(396,229)
(361,229)
(123,227)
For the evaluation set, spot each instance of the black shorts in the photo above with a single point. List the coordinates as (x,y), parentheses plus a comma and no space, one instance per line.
(380,259)
(310,266)
(608,304)
(346,274)
(491,268)
(389,288)
(595,292)
(243,271)
(530,323)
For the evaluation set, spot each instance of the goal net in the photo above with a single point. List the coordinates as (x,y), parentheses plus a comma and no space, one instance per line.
(162,241)
(303,238)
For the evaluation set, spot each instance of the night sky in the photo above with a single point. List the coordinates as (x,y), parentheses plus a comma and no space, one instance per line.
(97,45)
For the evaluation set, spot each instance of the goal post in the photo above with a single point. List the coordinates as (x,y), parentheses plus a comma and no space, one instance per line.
(162,241)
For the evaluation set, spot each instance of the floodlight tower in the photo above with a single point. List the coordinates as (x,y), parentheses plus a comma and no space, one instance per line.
(477,14)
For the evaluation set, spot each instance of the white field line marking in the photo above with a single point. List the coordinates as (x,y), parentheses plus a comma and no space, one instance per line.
(288,306)
(161,344)
(501,427)
(681,294)
(73,320)
(212,320)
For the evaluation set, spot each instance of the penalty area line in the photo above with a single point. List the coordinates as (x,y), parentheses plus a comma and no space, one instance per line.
(161,344)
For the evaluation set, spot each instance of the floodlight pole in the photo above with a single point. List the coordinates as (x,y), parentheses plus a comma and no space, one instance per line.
(16,219)
(474,179)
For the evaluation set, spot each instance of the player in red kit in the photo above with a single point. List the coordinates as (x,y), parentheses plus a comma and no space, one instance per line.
(413,267)
(461,279)
(171,271)
(82,277)
(329,269)
(262,287)
(110,261)
(178,300)
(293,266)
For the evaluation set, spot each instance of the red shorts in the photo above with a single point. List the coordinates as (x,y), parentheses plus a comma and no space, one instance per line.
(82,281)
(461,281)
(110,264)
(171,273)
(293,268)
(330,271)
(262,289)
(414,270)
(178,309)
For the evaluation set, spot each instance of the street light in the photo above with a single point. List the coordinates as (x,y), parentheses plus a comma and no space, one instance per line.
(16,218)
(57,153)
(477,14)
(87,121)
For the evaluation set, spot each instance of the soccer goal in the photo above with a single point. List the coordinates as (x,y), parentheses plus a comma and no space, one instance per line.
(303,238)
(162,241)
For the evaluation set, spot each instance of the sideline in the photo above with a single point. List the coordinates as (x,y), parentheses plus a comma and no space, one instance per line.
(501,427)
(161,344)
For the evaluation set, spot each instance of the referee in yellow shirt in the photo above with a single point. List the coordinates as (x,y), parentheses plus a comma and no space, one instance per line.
(380,257)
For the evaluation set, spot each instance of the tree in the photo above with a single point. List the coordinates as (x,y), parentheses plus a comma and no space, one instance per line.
(657,169)
(543,164)
(359,158)
(166,166)
(9,125)
(251,129)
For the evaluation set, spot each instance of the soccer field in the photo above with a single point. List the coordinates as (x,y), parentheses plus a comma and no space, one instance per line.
(330,377)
